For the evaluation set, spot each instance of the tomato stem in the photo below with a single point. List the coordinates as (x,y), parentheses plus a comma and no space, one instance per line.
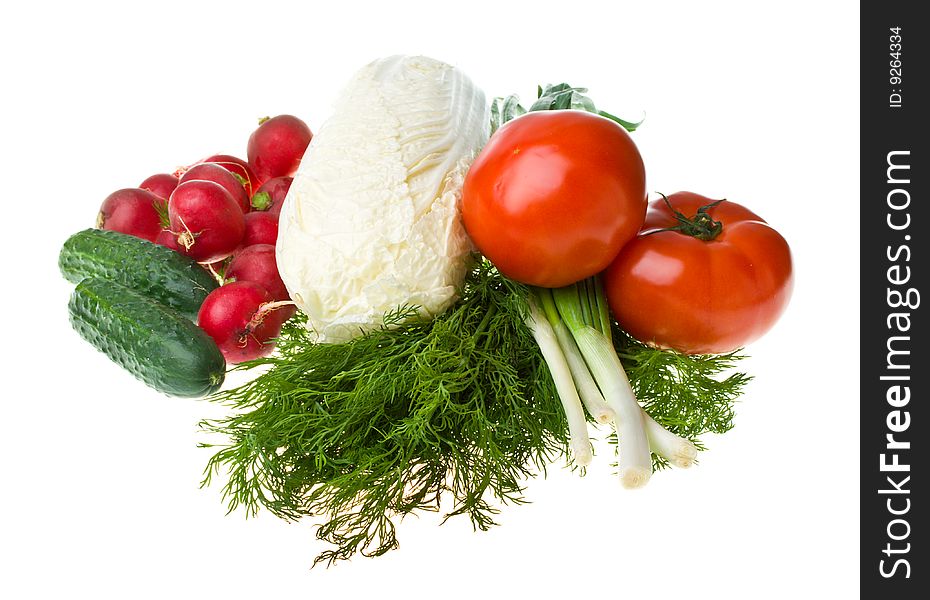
(701,225)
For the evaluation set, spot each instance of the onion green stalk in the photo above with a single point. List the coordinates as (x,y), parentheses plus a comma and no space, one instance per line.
(590,395)
(677,450)
(579,319)
(635,461)
(564,383)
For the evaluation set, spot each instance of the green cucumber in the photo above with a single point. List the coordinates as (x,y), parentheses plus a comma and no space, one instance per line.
(154,271)
(153,342)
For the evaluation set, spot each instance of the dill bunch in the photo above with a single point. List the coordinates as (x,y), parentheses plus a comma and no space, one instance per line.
(461,407)
(384,424)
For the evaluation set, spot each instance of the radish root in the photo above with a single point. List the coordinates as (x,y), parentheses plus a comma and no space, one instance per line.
(258,318)
(187,237)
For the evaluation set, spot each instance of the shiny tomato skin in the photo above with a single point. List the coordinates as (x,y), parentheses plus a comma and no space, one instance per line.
(554,195)
(700,297)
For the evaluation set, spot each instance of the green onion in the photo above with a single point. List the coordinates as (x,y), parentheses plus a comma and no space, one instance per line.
(590,395)
(564,383)
(579,318)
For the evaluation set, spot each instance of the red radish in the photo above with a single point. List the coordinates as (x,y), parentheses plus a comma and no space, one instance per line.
(260,228)
(133,211)
(271,195)
(237,167)
(257,264)
(161,184)
(242,319)
(208,223)
(276,147)
(217,174)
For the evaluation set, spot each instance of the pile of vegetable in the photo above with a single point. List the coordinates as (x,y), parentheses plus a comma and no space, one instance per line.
(196,245)
(457,293)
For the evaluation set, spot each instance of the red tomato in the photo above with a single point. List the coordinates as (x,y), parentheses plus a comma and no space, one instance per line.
(700,296)
(554,195)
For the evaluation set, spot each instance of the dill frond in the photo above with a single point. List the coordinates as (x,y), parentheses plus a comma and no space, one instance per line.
(689,395)
(382,425)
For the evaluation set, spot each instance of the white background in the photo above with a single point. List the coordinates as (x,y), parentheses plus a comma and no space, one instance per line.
(99,482)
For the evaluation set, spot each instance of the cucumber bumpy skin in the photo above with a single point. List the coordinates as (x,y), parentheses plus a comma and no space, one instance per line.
(153,342)
(154,271)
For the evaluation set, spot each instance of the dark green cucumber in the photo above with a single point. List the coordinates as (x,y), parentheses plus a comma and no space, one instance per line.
(154,271)
(151,341)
